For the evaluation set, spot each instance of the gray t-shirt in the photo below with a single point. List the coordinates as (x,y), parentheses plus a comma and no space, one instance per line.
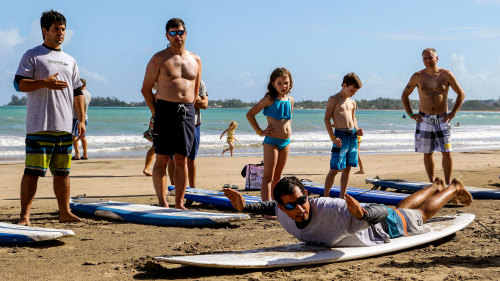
(333,225)
(202,92)
(87,97)
(49,110)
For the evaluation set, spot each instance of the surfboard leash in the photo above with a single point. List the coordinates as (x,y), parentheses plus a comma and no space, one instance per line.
(489,230)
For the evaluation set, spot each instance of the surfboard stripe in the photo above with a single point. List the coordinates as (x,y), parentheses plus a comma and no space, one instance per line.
(13,233)
(212,197)
(153,215)
(476,192)
(360,194)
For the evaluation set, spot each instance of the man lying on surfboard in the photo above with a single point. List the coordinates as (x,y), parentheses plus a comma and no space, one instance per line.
(334,221)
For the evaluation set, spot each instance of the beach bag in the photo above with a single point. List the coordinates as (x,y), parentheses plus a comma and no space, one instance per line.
(253,174)
(148,134)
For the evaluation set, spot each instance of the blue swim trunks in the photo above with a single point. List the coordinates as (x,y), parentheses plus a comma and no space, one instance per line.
(196,143)
(74,129)
(280,143)
(348,153)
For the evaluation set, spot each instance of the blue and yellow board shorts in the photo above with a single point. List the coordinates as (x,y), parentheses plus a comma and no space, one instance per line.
(48,149)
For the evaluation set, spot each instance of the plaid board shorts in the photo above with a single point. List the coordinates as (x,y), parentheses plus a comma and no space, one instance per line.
(432,134)
(48,150)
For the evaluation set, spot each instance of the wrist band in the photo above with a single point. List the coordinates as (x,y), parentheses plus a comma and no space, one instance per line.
(333,137)
(411,114)
(259,131)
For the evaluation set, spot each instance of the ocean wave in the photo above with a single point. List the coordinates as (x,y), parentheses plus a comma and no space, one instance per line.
(248,143)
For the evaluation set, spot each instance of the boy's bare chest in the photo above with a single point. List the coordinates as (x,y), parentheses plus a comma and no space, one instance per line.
(344,106)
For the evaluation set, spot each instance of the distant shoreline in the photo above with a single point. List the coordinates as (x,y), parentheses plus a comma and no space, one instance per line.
(362,109)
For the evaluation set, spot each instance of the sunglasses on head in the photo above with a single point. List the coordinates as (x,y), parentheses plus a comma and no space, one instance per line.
(178,32)
(300,201)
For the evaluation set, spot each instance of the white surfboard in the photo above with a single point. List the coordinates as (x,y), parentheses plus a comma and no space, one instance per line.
(302,254)
(14,233)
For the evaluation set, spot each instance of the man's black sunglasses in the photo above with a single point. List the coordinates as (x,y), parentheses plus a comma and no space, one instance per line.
(300,201)
(178,32)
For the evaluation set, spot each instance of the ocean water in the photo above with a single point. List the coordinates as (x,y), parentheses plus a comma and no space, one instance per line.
(117,132)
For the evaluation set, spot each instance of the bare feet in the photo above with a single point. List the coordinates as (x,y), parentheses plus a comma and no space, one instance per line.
(181,207)
(439,183)
(24,221)
(360,172)
(463,195)
(68,218)
(147,172)
(236,198)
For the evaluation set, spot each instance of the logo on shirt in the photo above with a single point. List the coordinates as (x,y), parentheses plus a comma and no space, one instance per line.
(57,62)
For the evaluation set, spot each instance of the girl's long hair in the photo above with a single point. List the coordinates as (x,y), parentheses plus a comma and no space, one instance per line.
(278,72)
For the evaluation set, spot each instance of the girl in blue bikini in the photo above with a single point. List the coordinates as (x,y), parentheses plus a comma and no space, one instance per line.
(278,107)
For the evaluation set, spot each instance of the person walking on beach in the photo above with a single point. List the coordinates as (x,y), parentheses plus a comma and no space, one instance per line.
(341,109)
(338,222)
(87,97)
(230,137)
(433,119)
(177,73)
(51,81)
(278,107)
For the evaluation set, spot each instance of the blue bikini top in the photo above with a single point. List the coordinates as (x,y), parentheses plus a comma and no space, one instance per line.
(280,109)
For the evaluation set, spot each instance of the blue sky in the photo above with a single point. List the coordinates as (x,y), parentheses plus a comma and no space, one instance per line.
(241,42)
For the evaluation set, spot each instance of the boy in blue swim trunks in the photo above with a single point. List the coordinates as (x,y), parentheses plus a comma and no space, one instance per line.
(341,110)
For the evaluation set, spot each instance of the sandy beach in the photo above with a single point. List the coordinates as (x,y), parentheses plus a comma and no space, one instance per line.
(111,250)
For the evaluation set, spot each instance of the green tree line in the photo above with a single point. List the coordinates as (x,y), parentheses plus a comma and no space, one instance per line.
(378,103)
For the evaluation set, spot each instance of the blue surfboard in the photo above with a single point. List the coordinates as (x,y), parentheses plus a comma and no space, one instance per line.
(212,197)
(152,215)
(13,233)
(476,192)
(360,194)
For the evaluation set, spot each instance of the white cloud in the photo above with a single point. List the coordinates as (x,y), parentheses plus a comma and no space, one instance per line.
(68,37)
(9,39)
(84,73)
(390,86)
(246,79)
(478,85)
(36,37)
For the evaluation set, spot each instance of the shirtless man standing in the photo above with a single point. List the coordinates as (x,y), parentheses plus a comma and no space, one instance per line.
(341,109)
(177,73)
(433,119)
